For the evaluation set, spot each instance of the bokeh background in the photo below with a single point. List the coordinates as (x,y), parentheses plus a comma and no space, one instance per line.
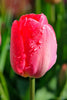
(53,85)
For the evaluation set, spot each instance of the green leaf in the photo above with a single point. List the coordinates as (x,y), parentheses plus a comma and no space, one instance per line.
(2,94)
(3,86)
(27,95)
(64,93)
(4,54)
(43,94)
(52,83)
(22,85)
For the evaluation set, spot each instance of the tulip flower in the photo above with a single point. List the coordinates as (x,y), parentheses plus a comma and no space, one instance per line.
(33,46)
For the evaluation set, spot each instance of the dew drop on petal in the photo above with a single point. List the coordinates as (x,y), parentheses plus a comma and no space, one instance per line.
(19,57)
(35,49)
(40,41)
(32,46)
(24,56)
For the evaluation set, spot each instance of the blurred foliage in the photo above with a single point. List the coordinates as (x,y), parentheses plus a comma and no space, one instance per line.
(53,85)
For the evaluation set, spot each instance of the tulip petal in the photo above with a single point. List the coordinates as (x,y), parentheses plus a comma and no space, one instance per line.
(17,55)
(49,49)
(32,34)
(40,18)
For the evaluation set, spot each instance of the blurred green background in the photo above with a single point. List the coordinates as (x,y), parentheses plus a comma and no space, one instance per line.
(53,85)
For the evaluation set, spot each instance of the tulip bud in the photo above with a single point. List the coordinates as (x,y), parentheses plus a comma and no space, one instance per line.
(62,77)
(33,46)
(53,1)
(64,67)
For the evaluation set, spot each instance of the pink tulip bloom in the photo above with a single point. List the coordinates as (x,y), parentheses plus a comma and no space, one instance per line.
(33,46)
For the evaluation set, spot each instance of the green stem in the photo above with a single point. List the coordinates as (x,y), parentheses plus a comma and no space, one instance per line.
(52,14)
(2,8)
(38,6)
(32,89)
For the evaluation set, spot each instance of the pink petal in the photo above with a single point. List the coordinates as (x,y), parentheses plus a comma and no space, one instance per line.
(31,33)
(49,49)
(17,55)
(39,17)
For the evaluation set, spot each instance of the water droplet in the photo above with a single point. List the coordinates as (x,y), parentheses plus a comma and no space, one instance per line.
(25,21)
(44,27)
(19,57)
(35,49)
(32,46)
(40,41)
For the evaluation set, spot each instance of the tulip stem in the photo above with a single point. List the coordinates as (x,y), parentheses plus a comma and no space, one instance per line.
(38,6)
(52,14)
(32,88)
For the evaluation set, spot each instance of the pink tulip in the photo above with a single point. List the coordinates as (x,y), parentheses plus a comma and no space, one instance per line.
(33,46)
